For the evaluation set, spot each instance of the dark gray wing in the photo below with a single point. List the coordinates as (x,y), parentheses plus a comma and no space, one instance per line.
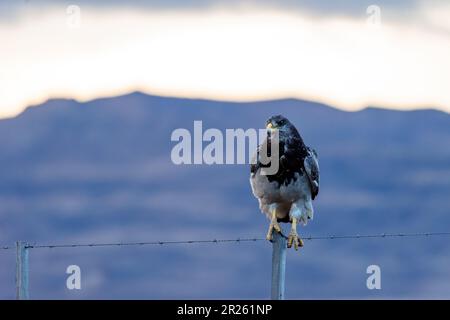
(311,165)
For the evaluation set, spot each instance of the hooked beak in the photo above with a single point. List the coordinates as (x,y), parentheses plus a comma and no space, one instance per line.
(269,125)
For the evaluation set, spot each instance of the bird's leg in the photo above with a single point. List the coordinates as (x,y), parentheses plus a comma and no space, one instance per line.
(273,225)
(293,236)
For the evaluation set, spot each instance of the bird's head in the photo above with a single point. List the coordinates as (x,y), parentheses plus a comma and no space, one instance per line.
(278,122)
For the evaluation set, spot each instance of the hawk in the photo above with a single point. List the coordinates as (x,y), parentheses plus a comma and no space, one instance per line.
(286,196)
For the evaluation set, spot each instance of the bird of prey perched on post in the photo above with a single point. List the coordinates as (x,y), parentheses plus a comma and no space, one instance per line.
(286,196)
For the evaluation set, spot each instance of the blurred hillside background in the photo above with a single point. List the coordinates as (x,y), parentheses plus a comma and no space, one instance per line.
(101,172)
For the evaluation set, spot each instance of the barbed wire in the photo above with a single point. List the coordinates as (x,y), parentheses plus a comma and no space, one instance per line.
(123,244)
(217,241)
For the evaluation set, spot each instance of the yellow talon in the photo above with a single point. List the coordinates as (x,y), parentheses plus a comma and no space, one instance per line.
(273,225)
(293,238)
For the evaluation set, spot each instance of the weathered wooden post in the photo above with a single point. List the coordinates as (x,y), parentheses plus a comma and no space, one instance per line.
(22,271)
(278,265)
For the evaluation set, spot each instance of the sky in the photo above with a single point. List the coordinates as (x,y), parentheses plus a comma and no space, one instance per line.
(349,54)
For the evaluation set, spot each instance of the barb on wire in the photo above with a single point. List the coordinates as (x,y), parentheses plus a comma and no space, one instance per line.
(217,241)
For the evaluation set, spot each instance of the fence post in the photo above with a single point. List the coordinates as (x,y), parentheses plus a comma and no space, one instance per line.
(278,265)
(22,271)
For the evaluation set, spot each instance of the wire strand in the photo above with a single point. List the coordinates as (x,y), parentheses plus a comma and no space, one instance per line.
(238,240)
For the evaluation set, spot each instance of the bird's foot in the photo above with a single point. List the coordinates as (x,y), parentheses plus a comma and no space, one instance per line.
(294,239)
(274,225)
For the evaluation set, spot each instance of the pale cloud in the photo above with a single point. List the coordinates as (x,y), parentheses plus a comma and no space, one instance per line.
(225,53)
